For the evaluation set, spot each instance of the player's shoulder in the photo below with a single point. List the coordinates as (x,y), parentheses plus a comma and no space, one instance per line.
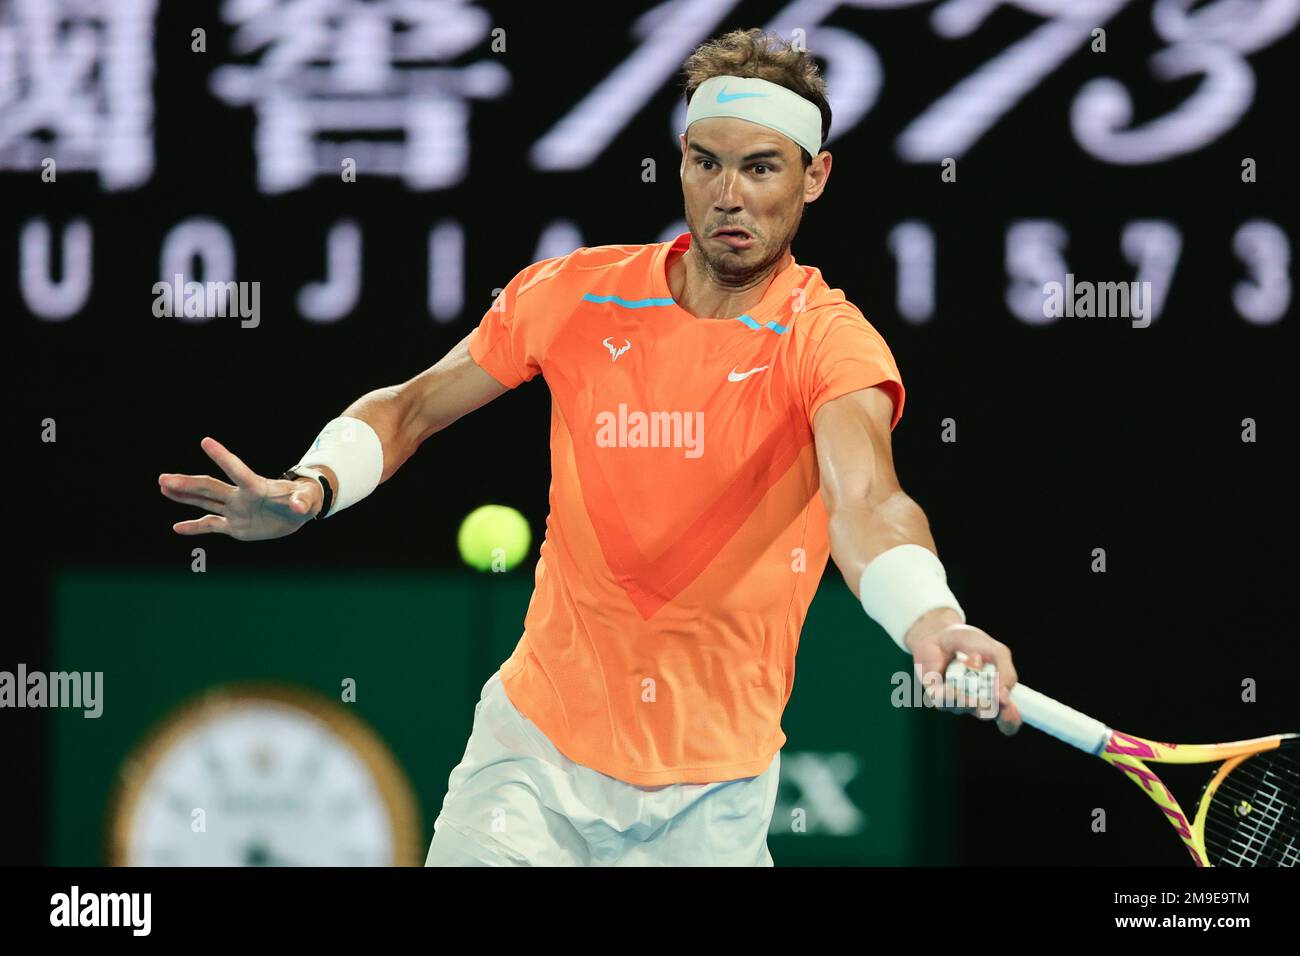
(583,263)
(821,309)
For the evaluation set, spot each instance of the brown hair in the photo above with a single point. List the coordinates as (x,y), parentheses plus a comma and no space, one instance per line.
(765,56)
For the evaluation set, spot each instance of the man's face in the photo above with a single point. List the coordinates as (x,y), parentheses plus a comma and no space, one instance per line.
(744,188)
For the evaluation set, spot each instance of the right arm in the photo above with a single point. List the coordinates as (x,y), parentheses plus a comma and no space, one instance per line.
(403,416)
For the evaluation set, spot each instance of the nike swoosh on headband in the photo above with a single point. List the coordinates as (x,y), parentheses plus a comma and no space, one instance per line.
(725,97)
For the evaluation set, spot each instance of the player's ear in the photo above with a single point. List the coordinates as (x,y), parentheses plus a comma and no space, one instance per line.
(815,176)
(681,138)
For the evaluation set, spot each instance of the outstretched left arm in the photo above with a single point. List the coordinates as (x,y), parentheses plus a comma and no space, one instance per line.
(871,514)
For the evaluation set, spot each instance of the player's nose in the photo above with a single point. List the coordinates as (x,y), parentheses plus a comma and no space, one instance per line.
(728,199)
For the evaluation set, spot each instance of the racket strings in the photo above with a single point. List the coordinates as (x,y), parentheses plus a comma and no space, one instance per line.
(1267,837)
(1254,817)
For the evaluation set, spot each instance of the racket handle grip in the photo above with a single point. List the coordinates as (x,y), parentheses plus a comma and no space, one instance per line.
(1064,723)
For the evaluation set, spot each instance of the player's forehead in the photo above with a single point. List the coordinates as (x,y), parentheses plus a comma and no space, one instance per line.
(729,138)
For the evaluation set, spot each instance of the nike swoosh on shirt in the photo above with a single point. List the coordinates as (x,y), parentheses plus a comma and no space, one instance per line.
(734,376)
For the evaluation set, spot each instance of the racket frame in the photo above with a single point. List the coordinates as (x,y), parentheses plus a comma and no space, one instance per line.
(1130,754)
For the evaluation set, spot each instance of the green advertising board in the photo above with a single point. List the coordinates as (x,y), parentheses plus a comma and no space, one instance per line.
(404,655)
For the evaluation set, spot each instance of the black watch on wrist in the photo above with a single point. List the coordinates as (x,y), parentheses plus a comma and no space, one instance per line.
(292,475)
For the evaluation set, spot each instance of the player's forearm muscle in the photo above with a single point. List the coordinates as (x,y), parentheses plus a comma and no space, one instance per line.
(384,410)
(405,415)
(862,527)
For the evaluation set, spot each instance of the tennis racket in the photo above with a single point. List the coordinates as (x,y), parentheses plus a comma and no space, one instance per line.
(1249,811)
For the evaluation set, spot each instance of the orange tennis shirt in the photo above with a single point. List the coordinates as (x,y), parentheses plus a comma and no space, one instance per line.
(687,534)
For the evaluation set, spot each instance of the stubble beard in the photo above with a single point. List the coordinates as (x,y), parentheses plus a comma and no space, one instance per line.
(727,270)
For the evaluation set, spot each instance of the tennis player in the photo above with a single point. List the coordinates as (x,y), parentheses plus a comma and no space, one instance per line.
(721,423)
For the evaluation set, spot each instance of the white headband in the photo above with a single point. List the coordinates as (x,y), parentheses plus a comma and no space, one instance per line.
(758,101)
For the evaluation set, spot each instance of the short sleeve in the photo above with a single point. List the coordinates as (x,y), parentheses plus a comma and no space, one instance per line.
(850,356)
(510,342)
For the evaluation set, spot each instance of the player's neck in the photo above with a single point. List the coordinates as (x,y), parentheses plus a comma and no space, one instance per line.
(702,293)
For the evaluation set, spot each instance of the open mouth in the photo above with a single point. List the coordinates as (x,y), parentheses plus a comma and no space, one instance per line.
(735,231)
(734,236)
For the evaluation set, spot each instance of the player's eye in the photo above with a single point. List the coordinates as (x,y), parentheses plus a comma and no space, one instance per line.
(761,166)
(702,161)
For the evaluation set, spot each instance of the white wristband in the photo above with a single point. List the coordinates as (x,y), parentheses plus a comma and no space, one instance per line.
(349,447)
(902,584)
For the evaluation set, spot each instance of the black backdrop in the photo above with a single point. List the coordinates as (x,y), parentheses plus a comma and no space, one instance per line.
(1071,435)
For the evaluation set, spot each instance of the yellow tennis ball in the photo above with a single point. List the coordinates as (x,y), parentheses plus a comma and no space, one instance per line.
(494,538)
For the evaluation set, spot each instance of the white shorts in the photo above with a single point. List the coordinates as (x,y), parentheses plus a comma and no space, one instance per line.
(515,800)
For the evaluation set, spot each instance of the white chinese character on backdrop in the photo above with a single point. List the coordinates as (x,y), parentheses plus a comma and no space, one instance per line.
(327,70)
(76,86)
